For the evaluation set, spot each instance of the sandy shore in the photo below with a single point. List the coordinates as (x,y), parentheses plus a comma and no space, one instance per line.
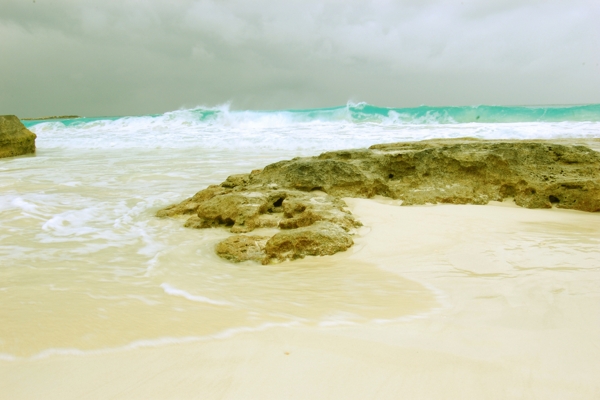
(516,316)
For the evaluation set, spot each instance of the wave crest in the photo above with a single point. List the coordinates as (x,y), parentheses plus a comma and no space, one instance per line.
(349,126)
(353,113)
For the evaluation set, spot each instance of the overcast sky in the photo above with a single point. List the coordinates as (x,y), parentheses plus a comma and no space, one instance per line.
(126,57)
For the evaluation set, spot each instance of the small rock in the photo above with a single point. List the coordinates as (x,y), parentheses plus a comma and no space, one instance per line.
(241,248)
(319,239)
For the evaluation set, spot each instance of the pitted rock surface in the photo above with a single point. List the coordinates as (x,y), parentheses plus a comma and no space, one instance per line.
(243,209)
(305,192)
(240,248)
(319,239)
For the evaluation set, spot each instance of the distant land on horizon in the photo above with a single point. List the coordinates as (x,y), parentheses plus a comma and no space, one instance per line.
(53,117)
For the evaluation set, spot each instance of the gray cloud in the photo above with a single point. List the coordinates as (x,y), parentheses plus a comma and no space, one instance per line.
(134,57)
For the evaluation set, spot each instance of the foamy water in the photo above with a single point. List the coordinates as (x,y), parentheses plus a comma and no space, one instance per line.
(85,265)
(305,132)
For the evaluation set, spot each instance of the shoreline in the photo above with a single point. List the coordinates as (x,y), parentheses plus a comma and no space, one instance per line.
(519,288)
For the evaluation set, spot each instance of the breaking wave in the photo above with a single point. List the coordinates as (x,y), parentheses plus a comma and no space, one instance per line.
(357,113)
(352,125)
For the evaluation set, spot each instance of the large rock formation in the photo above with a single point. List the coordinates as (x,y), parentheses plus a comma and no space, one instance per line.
(536,174)
(305,192)
(15,139)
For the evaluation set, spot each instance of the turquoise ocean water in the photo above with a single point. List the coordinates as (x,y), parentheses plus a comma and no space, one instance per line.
(367,113)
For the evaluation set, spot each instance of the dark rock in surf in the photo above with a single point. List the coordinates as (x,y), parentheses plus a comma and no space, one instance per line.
(15,138)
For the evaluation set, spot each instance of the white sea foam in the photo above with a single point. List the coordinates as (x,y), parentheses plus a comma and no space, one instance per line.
(24,205)
(150,343)
(173,291)
(220,128)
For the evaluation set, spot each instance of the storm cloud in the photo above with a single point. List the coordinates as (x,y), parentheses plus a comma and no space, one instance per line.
(136,57)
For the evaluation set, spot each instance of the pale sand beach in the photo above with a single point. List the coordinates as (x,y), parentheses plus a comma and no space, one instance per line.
(504,304)
(313,200)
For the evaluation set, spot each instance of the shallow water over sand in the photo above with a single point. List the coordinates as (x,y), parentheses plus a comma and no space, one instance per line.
(87,266)
(516,317)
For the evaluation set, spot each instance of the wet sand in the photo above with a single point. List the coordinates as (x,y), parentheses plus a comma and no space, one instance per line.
(508,308)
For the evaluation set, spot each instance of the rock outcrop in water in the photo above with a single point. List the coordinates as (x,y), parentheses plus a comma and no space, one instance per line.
(302,196)
(312,223)
(318,239)
(15,139)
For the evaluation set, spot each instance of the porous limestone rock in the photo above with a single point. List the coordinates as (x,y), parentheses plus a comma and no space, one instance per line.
(15,139)
(537,174)
(240,248)
(300,194)
(260,207)
(319,239)
(190,206)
